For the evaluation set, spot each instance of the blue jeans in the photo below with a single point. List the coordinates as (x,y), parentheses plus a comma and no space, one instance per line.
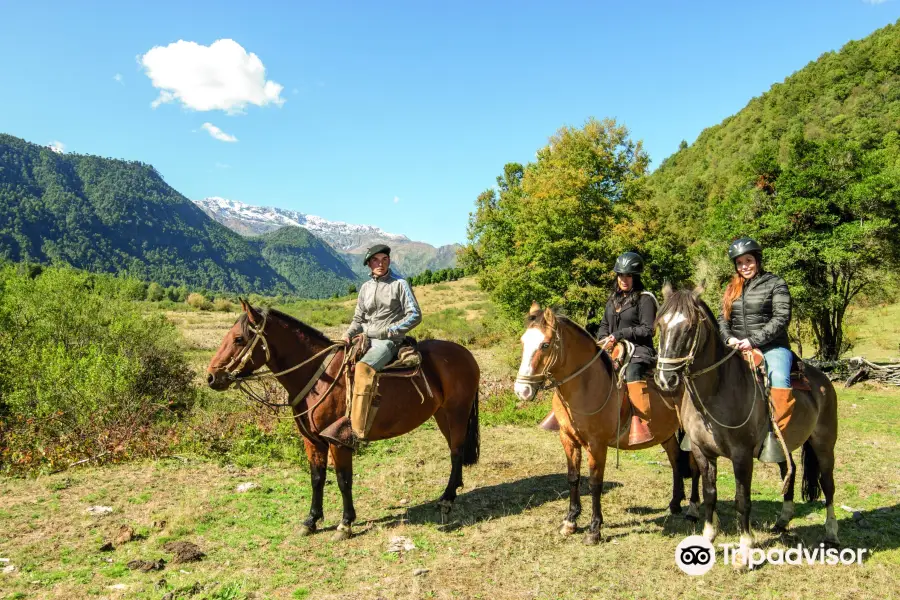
(380,354)
(778,365)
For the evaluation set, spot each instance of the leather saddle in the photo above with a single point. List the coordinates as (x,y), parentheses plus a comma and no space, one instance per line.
(407,362)
(757,362)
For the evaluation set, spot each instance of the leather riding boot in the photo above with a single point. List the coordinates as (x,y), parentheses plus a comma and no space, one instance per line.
(639,433)
(363,410)
(783,399)
(550,423)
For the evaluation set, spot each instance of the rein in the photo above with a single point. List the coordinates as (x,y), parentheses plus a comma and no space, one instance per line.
(242,381)
(684,363)
(546,381)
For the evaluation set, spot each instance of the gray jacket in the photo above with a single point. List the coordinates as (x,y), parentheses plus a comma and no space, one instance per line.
(386,309)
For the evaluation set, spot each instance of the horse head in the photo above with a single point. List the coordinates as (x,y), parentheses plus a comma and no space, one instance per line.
(537,351)
(685,325)
(244,349)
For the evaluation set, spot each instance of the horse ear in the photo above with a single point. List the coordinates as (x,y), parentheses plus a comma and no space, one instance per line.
(549,317)
(253,315)
(667,291)
(535,308)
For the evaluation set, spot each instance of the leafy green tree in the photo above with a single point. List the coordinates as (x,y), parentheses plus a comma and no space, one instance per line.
(550,235)
(829,220)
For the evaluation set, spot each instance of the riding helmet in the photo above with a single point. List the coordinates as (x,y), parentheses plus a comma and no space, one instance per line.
(376,249)
(742,246)
(629,263)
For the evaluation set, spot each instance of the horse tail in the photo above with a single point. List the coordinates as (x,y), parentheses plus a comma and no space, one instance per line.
(472,447)
(810,487)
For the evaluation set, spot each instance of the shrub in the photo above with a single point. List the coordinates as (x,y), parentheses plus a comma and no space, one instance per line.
(155,292)
(223,305)
(198,301)
(84,373)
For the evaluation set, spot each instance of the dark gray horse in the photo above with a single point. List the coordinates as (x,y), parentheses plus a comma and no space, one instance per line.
(724,414)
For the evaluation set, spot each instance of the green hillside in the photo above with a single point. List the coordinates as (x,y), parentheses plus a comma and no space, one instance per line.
(107,215)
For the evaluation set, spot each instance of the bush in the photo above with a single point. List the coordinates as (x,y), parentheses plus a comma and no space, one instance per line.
(223,305)
(84,373)
(155,292)
(198,301)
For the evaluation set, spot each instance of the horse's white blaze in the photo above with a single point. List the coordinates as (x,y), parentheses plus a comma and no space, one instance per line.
(531,342)
(671,320)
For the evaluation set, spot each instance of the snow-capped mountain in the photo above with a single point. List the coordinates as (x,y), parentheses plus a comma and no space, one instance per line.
(410,257)
(255,220)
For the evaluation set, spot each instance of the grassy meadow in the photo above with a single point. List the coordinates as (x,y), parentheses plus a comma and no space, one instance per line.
(499,542)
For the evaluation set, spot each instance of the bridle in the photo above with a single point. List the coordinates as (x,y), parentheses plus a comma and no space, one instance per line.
(239,362)
(684,364)
(545,380)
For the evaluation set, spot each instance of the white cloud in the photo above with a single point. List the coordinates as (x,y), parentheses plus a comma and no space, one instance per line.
(57,146)
(118,78)
(222,76)
(218,133)
(396,199)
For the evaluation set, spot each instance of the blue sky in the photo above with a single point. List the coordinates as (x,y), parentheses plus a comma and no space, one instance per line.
(385,113)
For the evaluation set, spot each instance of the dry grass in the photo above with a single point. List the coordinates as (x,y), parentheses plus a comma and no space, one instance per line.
(500,541)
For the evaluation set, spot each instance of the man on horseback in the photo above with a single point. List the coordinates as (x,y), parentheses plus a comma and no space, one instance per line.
(386,310)
(756,312)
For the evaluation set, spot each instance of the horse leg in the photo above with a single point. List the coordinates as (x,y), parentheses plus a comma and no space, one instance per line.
(573,475)
(672,451)
(743,478)
(596,465)
(707,468)
(318,462)
(456,442)
(787,506)
(343,468)
(818,469)
(693,511)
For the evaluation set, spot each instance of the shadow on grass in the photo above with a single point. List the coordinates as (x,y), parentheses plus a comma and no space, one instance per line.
(876,530)
(494,502)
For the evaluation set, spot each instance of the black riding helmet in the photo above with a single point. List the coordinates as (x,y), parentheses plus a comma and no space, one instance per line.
(629,263)
(376,249)
(742,246)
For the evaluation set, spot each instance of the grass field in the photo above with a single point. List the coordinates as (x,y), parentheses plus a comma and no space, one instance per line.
(499,542)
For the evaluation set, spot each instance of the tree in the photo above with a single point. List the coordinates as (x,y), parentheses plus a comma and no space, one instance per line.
(155,292)
(829,222)
(549,234)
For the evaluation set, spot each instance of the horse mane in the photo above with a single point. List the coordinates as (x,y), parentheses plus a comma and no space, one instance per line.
(288,321)
(538,320)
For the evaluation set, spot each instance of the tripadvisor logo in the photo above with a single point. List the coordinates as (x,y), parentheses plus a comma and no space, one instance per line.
(695,555)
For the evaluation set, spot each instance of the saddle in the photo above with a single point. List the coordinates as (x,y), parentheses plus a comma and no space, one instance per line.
(799,381)
(407,364)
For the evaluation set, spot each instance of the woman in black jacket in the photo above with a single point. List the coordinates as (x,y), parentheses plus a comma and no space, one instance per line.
(629,315)
(756,312)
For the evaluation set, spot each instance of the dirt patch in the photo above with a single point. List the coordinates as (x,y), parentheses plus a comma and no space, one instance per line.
(184,552)
(145,566)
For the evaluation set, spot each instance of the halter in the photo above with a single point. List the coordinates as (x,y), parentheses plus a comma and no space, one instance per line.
(244,356)
(684,363)
(545,380)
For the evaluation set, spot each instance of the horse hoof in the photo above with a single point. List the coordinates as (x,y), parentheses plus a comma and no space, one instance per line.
(306,530)
(691,518)
(675,509)
(567,529)
(591,538)
(779,527)
(342,533)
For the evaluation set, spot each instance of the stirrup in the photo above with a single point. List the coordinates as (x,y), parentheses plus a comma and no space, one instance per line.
(771,451)
(341,434)
(685,443)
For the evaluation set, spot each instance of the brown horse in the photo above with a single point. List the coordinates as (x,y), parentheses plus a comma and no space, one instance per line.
(724,414)
(309,366)
(591,411)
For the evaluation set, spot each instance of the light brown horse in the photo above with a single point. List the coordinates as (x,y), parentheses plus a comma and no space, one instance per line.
(591,411)
(296,354)
(724,414)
